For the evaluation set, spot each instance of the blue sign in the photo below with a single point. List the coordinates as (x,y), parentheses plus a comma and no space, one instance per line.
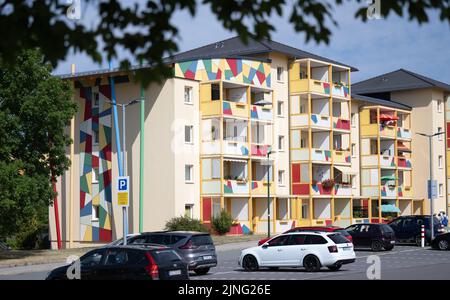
(122,184)
(432,189)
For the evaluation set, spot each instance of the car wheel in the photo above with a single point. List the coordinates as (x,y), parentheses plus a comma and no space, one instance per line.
(377,246)
(202,271)
(389,248)
(311,263)
(443,245)
(250,263)
(335,267)
(419,241)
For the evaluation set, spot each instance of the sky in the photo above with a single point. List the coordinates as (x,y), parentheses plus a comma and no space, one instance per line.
(374,47)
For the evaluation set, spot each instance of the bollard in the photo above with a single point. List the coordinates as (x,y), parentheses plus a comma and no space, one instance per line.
(422,233)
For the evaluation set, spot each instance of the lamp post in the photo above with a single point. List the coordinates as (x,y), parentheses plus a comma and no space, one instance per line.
(124,209)
(430,194)
(269,151)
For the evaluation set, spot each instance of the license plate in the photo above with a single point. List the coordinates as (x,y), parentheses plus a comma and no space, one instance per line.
(174,272)
(347,248)
(208,257)
(392,242)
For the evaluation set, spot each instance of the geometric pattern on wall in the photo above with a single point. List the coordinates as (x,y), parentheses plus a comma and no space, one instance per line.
(95,156)
(231,69)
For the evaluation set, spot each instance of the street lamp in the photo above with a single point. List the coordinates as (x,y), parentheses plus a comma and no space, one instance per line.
(269,151)
(430,194)
(124,209)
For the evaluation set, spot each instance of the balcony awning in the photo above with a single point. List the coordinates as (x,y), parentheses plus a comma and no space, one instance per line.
(385,117)
(263,102)
(388,178)
(346,170)
(402,147)
(235,160)
(390,208)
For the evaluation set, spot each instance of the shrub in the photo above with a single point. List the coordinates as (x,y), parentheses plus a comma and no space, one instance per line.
(185,223)
(222,223)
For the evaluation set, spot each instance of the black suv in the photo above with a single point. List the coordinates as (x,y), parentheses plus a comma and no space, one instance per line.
(408,229)
(195,248)
(150,262)
(374,236)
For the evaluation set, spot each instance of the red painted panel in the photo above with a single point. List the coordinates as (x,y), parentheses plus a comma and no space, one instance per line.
(207,207)
(300,189)
(295,172)
(105,235)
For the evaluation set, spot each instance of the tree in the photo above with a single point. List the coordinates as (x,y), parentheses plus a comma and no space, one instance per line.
(146,31)
(35,108)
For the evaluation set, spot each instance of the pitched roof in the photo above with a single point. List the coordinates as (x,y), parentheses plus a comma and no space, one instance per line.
(235,47)
(396,81)
(379,101)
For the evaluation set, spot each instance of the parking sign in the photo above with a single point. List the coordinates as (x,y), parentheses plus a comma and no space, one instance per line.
(123,186)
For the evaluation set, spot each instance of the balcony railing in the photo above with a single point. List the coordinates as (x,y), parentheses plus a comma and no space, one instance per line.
(229,148)
(260,187)
(320,121)
(342,189)
(341,157)
(404,191)
(317,189)
(341,124)
(404,162)
(236,187)
(387,131)
(259,150)
(261,113)
(317,155)
(341,91)
(403,133)
(313,86)
(235,109)
(388,190)
(372,161)
(373,129)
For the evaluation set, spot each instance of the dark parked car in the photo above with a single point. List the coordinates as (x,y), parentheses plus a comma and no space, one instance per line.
(374,236)
(441,242)
(408,229)
(128,262)
(196,248)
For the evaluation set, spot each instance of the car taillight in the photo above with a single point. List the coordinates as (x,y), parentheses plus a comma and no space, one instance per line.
(188,245)
(333,249)
(152,267)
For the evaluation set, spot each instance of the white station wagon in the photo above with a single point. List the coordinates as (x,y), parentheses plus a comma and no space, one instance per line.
(311,250)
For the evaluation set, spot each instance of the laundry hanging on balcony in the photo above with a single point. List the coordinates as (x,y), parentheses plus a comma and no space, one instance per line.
(389,208)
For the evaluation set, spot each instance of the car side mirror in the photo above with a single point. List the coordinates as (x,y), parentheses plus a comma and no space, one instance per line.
(265,245)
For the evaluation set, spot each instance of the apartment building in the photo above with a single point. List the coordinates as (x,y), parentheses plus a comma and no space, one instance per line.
(259,129)
(428,100)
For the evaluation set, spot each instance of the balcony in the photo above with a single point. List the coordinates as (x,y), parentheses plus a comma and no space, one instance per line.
(403,133)
(340,90)
(235,187)
(342,189)
(318,189)
(317,155)
(235,109)
(404,191)
(387,131)
(260,187)
(235,148)
(341,124)
(341,157)
(259,150)
(388,191)
(372,161)
(312,86)
(404,162)
(261,113)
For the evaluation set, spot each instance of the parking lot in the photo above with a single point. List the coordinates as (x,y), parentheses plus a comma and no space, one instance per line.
(403,262)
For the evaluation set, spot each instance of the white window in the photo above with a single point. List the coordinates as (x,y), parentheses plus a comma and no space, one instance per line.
(353,150)
(280,73)
(280,108)
(188,131)
(440,161)
(439,105)
(188,95)
(189,211)
(96,99)
(441,135)
(353,119)
(441,190)
(95,212)
(188,169)
(280,177)
(95,175)
(281,142)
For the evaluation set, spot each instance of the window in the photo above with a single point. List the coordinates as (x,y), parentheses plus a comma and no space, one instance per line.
(188,173)
(440,161)
(215,92)
(313,239)
(441,135)
(92,258)
(281,142)
(95,175)
(188,210)
(116,257)
(279,241)
(280,177)
(188,95)
(280,73)
(280,108)
(353,150)
(297,239)
(96,138)
(439,105)
(353,119)
(96,99)
(441,190)
(95,212)
(188,131)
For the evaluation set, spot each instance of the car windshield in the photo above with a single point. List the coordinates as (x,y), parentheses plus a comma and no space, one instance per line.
(386,229)
(343,232)
(165,256)
(338,238)
(200,240)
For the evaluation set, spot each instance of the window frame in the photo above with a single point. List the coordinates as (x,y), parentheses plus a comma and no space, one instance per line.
(191,134)
(191,173)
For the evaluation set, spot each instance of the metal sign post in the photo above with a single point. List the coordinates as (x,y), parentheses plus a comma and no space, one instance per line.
(123,200)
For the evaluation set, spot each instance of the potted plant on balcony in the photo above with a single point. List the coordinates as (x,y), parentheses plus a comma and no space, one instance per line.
(328,184)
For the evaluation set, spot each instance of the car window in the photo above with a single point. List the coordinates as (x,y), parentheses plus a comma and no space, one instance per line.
(165,256)
(176,238)
(91,259)
(279,241)
(201,240)
(312,239)
(297,239)
(342,231)
(352,228)
(397,222)
(386,229)
(420,222)
(409,222)
(374,229)
(364,228)
(115,257)
(135,257)
(162,239)
(338,238)
(138,240)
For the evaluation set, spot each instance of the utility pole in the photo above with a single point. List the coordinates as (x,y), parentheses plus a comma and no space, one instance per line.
(269,151)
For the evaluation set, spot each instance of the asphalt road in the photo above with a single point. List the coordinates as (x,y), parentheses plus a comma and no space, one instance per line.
(404,262)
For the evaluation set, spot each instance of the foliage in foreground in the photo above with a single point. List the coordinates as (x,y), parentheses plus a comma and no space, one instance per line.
(185,223)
